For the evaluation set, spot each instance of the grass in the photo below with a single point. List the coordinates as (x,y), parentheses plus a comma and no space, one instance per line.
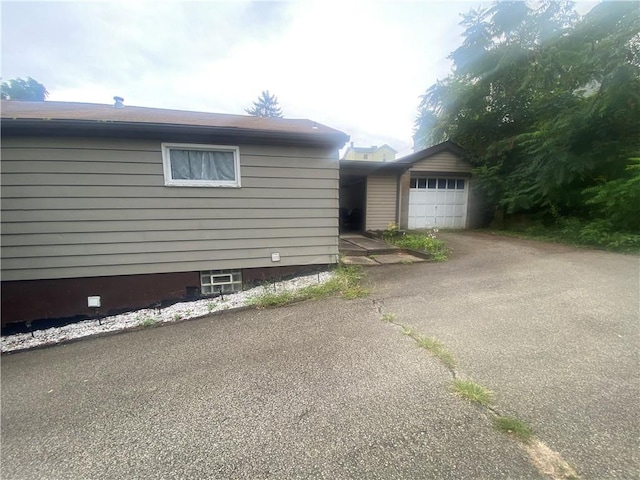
(473,392)
(345,282)
(148,322)
(575,232)
(388,317)
(432,345)
(514,427)
(409,332)
(421,241)
(437,349)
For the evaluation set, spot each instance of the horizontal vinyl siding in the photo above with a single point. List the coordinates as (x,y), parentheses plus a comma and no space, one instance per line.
(84,207)
(381,201)
(442,162)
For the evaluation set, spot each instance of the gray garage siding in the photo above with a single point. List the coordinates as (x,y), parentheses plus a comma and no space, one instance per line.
(382,192)
(85,207)
(442,162)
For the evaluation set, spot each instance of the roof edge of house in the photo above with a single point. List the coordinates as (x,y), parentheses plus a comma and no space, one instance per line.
(20,118)
(77,127)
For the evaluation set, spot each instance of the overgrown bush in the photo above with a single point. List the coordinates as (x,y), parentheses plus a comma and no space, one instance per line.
(598,233)
(423,241)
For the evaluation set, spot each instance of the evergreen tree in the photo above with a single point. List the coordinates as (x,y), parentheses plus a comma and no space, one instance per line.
(266,106)
(21,89)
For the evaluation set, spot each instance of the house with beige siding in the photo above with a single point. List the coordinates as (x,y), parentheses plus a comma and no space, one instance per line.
(108,208)
(431,188)
(383,153)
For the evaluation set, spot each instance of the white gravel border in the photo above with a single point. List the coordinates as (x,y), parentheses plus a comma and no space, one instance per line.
(177,312)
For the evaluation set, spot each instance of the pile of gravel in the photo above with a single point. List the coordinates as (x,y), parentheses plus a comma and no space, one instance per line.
(174,313)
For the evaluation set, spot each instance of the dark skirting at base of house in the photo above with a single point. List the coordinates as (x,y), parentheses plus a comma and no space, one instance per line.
(35,304)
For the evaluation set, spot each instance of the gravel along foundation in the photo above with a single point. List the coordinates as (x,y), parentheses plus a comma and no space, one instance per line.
(148,317)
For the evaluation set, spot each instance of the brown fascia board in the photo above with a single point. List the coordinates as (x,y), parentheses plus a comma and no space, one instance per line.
(167,132)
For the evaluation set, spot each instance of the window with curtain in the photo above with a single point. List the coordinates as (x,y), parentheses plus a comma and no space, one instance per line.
(201,165)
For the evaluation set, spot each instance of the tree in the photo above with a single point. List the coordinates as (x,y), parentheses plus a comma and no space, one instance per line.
(21,89)
(546,104)
(266,106)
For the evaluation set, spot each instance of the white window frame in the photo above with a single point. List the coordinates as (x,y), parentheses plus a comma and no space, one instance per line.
(171,182)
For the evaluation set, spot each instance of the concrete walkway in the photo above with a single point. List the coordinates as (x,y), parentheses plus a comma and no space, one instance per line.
(327,390)
(357,249)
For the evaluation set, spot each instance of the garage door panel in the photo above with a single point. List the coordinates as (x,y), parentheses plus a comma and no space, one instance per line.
(420,197)
(438,202)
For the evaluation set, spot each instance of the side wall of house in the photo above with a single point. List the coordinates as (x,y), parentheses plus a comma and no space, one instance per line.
(382,197)
(76,208)
(82,208)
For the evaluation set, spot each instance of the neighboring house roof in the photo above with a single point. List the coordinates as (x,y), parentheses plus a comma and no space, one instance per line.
(70,118)
(364,149)
(401,165)
(371,149)
(428,152)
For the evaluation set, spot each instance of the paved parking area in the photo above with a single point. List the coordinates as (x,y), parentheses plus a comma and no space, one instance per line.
(553,330)
(327,390)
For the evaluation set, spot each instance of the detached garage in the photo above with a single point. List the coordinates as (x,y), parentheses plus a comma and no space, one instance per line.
(438,189)
(437,202)
(432,188)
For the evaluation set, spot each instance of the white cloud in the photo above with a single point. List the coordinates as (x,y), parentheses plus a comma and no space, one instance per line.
(353,65)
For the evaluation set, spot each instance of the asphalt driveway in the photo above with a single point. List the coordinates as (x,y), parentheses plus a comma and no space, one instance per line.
(328,390)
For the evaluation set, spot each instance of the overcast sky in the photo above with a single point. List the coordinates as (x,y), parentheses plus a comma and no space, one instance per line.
(359,67)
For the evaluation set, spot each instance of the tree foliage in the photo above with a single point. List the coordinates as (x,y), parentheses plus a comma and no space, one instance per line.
(547,105)
(265,106)
(23,89)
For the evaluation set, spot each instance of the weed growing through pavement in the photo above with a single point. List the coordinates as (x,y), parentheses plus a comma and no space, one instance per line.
(388,317)
(514,427)
(437,349)
(345,282)
(546,460)
(408,331)
(473,392)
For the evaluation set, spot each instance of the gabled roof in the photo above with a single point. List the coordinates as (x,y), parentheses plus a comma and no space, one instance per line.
(371,149)
(428,152)
(387,146)
(18,116)
(364,149)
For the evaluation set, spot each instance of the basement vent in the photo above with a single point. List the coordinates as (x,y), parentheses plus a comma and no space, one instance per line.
(220,281)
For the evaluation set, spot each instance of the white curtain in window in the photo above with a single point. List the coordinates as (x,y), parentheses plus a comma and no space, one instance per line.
(202,165)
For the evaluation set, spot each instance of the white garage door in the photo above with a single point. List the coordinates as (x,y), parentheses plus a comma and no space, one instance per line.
(437,202)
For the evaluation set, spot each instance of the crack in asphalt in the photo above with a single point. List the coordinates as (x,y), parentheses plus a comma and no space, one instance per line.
(547,461)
